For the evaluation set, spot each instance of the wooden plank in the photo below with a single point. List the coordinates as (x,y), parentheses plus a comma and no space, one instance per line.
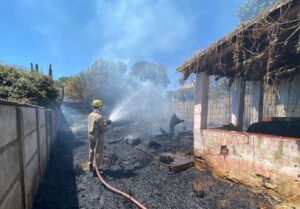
(181,164)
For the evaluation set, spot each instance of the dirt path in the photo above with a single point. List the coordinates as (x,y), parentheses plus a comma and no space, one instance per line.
(67,186)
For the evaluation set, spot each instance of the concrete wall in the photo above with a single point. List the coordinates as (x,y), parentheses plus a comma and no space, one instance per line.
(27,134)
(265,162)
(184,110)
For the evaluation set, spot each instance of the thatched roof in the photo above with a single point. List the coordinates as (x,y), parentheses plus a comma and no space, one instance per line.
(266,47)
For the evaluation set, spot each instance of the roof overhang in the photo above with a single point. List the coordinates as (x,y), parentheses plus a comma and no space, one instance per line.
(266,47)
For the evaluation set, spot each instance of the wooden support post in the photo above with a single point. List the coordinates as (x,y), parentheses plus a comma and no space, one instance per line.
(257,96)
(200,112)
(238,101)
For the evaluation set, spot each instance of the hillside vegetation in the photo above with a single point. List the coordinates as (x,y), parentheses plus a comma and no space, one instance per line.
(30,87)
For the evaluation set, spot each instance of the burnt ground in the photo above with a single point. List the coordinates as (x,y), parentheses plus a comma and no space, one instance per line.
(67,184)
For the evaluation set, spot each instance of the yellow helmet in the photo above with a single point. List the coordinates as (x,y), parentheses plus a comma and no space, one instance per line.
(97,103)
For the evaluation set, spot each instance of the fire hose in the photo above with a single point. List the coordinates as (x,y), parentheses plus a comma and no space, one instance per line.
(111,188)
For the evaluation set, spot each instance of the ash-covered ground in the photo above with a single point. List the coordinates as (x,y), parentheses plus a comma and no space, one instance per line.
(67,184)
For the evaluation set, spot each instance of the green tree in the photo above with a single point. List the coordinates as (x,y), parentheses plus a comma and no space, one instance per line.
(50,73)
(109,81)
(252,8)
(102,80)
(37,68)
(218,88)
(61,82)
(156,73)
(76,88)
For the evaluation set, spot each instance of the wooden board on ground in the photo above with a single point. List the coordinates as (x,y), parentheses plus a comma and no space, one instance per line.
(181,163)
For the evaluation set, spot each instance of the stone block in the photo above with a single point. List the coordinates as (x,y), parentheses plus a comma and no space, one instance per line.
(29,120)
(31,146)
(13,200)
(42,121)
(42,132)
(32,179)
(44,157)
(8,124)
(10,168)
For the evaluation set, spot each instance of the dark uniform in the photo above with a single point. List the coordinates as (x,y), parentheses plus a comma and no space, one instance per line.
(173,122)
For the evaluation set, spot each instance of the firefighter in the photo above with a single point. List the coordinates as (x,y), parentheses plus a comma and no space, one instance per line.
(173,122)
(96,128)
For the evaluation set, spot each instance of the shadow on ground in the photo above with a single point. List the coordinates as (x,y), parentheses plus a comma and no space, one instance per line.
(59,177)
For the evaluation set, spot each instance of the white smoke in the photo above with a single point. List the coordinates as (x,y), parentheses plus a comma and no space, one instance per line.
(127,96)
(146,103)
(139,28)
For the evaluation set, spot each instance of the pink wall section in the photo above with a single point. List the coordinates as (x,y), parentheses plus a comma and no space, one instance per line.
(265,162)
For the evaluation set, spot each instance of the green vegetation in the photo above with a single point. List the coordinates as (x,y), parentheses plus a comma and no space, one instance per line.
(218,88)
(156,73)
(183,94)
(60,82)
(111,81)
(76,88)
(28,87)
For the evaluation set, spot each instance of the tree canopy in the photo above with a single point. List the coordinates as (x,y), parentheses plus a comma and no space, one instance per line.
(156,73)
(103,80)
(111,81)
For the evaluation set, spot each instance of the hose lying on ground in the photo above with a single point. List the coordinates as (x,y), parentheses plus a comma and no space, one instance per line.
(109,187)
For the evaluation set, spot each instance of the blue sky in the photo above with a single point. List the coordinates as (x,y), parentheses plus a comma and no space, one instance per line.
(71,35)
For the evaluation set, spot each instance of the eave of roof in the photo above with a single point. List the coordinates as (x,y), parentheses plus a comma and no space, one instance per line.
(220,55)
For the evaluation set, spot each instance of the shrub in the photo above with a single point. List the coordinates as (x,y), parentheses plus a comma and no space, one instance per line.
(27,87)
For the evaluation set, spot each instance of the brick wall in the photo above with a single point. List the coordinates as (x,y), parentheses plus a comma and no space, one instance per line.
(265,162)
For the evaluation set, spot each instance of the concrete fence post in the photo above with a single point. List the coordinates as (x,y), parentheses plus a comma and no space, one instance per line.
(47,134)
(20,137)
(38,141)
(51,128)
